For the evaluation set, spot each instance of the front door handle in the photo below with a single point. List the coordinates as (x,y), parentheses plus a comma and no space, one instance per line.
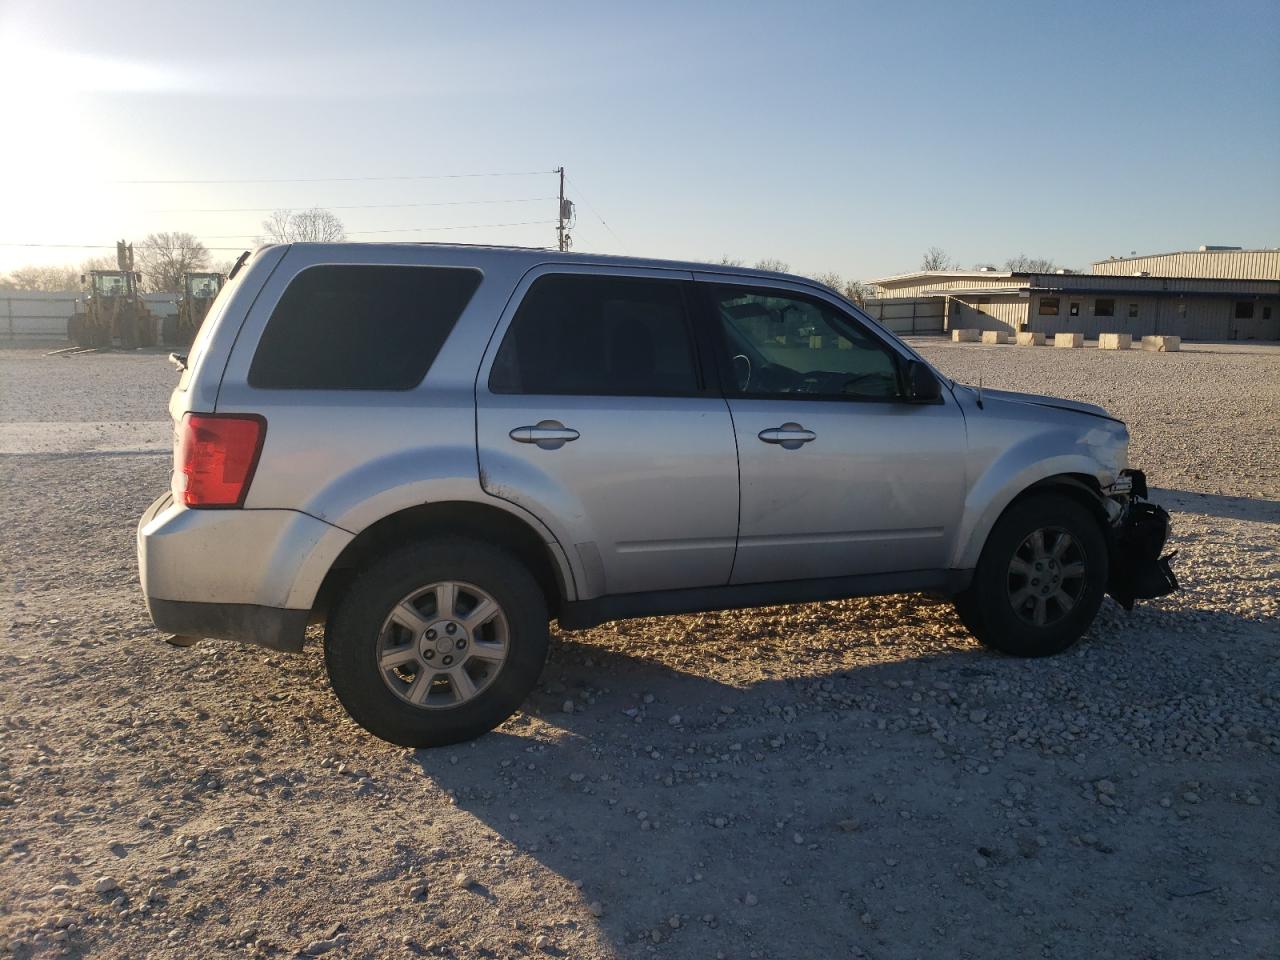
(790,436)
(547,434)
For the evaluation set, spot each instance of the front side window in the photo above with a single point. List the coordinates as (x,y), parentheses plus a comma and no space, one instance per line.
(1104,307)
(1048,307)
(589,335)
(785,345)
(357,327)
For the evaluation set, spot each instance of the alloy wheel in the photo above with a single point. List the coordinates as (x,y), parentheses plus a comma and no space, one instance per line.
(1046,576)
(442,645)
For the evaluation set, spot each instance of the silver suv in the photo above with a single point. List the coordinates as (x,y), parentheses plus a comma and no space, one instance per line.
(436,450)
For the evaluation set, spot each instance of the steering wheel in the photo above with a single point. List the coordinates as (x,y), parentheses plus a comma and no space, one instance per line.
(742,369)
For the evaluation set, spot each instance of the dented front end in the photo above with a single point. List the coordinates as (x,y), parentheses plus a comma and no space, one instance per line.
(1140,570)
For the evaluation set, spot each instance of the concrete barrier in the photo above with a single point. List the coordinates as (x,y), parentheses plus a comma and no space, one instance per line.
(1031,339)
(1115,341)
(1162,344)
(1068,339)
(994,336)
(965,336)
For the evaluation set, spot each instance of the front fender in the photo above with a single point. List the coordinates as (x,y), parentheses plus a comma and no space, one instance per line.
(1000,478)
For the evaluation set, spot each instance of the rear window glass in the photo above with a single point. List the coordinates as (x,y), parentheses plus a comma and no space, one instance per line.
(360,327)
(598,336)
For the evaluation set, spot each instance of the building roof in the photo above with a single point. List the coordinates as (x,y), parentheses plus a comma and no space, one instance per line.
(1206,263)
(949,274)
(1222,251)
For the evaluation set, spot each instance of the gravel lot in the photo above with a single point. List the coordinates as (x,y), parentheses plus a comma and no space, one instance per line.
(853,779)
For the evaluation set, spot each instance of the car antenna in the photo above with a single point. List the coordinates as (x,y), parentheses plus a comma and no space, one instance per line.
(980,406)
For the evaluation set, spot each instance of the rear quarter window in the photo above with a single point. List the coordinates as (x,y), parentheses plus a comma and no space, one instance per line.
(355,327)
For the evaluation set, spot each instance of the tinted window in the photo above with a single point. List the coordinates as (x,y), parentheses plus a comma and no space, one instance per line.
(1244,310)
(598,336)
(1104,308)
(1048,307)
(360,328)
(782,345)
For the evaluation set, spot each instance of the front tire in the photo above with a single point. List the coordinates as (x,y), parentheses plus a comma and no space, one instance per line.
(438,642)
(1040,580)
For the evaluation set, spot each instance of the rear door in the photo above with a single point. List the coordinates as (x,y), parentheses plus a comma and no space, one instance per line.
(840,474)
(593,412)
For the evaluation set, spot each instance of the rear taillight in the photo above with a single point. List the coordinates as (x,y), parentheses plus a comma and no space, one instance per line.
(215,458)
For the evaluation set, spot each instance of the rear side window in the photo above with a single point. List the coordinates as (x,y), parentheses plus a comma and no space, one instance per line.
(360,327)
(598,336)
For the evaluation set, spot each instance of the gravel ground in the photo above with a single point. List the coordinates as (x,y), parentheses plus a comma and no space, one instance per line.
(840,779)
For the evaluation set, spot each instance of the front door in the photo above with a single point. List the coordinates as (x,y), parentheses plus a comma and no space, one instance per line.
(594,415)
(840,473)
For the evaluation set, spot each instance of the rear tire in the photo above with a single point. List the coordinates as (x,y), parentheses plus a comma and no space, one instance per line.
(419,692)
(1040,580)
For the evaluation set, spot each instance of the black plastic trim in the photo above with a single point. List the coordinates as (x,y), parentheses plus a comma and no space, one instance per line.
(581,614)
(273,627)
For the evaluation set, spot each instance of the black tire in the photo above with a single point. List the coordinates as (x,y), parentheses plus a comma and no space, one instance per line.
(354,626)
(987,607)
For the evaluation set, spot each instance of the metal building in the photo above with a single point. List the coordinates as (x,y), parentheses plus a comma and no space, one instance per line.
(1121,297)
(1222,263)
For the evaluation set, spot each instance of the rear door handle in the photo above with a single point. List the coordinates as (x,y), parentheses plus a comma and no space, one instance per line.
(790,436)
(547,434)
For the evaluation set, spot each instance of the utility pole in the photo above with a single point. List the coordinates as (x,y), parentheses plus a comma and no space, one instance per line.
(564,240)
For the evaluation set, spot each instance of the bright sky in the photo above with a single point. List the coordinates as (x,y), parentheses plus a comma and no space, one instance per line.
(834,136)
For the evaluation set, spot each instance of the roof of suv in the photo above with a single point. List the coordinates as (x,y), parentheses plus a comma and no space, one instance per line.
(547,255)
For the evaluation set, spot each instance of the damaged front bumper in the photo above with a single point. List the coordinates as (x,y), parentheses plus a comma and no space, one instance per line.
(1139,529)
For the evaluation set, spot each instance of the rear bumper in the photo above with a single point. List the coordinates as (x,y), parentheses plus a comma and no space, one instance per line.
(272,627)
(249,575)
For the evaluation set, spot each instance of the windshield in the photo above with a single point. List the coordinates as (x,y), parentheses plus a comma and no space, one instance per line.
(204,286)
(109,284)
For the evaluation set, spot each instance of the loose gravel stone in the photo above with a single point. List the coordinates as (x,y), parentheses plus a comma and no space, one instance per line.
(837,746)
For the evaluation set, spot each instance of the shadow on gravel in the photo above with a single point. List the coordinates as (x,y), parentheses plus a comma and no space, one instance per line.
(1253,509)
(805,817)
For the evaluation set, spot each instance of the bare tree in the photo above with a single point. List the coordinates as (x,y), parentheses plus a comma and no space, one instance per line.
(935,258)
(729,262)
(770,263)
(854,290)
(858,292)
(53,278)
(164,257)
(316,225)
(99,263)
(1024,264)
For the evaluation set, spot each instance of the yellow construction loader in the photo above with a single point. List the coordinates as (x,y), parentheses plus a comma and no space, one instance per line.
(110,309)
(198,291)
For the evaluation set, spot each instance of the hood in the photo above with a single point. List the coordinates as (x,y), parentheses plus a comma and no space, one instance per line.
(1056,403)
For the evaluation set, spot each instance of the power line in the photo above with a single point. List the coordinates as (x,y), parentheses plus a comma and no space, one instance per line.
(463,226)
(480,226)
(423,176)
(353,206)
(87,246)
(596,214)
(246,236)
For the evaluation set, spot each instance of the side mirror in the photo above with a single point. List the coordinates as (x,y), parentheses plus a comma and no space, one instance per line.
(922,385)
